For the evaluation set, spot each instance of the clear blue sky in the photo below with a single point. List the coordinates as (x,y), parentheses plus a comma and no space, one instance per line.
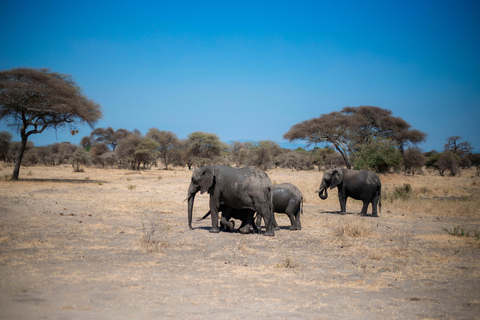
(249,70)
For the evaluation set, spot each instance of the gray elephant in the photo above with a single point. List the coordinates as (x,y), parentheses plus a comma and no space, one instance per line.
(245,188)
(289,200)
(244,215)
(360,185)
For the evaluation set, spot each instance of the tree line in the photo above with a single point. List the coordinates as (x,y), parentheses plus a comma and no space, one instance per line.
(364,137)
(109,148)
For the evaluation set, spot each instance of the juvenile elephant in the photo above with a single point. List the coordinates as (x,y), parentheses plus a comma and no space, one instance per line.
(246,188)
(360,185)
(245,215)
(289,200)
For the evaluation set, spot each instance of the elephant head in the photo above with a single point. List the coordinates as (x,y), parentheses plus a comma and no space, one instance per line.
(202,180)
(331,178)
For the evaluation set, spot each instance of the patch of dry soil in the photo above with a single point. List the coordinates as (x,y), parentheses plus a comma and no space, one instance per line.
(112,244)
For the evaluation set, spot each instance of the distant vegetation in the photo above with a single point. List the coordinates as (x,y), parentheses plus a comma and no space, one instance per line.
(109,148)
(364,137)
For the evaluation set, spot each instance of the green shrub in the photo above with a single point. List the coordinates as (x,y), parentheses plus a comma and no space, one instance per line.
(403,192)
(380,155)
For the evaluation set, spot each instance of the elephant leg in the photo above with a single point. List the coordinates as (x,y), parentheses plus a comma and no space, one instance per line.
(259,221)
(248,223)
(297,216)
(294,218)
(275,224)
(364,208)
(214,214)
(267,214)
(229,224)
(343,202)
(343,205)
(374,206)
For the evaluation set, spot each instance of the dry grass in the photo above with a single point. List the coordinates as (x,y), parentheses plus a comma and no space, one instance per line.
(428,194)
(432,194)
(91,234)
(354,228)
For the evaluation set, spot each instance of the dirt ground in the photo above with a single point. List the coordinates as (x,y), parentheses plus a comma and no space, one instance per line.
(114,244)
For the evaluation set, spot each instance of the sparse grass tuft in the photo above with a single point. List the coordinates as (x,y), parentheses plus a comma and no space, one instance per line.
(150,238)
(461,231)
(131,187)
(354,228)
(287,263)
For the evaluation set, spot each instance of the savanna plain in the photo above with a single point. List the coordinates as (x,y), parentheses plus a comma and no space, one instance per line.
(114,244)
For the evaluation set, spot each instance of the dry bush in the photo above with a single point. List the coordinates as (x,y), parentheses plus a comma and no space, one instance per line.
(352,227)
(150,239)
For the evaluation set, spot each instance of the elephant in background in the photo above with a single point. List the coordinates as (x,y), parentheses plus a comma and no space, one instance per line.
(360,185)
(245,215)
(289,200)
(246,188)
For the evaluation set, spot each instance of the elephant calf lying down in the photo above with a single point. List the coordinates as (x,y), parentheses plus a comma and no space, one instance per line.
(286,199)
(245,215)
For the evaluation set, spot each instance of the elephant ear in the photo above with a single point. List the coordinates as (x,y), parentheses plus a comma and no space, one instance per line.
(337,178)
(207,179)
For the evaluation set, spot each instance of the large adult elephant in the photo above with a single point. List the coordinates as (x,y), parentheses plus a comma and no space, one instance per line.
(245,188)
(360,185)
(289,200)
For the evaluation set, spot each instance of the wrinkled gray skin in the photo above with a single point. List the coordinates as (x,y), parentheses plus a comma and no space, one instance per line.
(245,215)
(289,200)
(246,188)
(360,185)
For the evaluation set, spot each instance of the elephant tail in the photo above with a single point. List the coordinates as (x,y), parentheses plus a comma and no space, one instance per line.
(301,206)
(204,217)
(380,199)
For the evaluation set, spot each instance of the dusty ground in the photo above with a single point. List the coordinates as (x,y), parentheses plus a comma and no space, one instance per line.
(114,244)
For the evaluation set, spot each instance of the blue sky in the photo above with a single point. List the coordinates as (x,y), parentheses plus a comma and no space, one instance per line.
(249,70)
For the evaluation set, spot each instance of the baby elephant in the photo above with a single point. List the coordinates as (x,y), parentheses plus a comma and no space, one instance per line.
(289,200)
(245,215)
(360,185)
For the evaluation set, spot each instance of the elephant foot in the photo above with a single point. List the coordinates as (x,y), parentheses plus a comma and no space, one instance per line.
(214,230)
(276,228)
(269,233)
(363,214)
(342,213)
(245,229)
(374,215)
(230,225)
(293,228)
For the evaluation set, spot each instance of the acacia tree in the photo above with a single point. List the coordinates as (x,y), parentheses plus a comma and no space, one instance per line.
(455,145)
(33,100)
(204,147)
(352,128)
(167,144)
(413,159)
(263,153)
(108,136)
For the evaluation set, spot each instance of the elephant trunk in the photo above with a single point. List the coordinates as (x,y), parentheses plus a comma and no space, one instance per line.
(323,194)
(191,198)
